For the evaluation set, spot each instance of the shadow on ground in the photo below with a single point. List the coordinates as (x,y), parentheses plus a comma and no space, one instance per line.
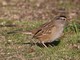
(48,44)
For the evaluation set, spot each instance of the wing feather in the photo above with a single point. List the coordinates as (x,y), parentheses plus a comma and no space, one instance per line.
(45,29)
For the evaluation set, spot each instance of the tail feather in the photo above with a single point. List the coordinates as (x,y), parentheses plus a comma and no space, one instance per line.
(14,31)
(26,32)
(20,31)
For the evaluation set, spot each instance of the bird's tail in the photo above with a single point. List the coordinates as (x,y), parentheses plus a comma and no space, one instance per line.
(27,32)
(14,31)
(20,31)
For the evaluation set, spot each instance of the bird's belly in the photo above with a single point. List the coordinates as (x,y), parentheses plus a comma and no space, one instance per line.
(56,35)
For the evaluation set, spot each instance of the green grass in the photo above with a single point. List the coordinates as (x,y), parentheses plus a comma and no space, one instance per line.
(11,46)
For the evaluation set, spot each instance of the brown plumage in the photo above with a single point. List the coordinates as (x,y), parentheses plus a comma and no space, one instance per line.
(50,31)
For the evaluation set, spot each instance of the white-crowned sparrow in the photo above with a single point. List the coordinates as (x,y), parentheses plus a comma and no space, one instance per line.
(50,31)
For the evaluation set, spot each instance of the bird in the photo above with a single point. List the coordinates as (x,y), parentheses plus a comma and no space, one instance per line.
(50,31)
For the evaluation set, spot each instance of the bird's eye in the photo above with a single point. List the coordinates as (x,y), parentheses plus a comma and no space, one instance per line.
(63,19)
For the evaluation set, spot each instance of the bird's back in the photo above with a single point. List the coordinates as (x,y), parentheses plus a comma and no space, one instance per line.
(45,28)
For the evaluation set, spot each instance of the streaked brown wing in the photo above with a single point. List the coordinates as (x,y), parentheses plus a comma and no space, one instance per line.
(44,30)
(34,31)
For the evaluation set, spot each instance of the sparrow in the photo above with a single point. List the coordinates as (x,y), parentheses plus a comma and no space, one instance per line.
(50,31)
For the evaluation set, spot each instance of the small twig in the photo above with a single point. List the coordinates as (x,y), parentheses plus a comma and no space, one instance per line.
(8,25)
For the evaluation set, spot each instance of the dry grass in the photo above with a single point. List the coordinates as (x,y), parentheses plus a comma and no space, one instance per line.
(27,15)
(12,47)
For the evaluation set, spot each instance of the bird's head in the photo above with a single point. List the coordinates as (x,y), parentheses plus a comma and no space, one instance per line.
(63,18)
(60,20)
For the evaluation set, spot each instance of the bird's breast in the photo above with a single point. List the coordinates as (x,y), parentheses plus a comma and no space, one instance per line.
(56,33)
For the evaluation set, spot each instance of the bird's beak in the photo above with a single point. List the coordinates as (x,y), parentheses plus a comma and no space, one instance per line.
(68,19)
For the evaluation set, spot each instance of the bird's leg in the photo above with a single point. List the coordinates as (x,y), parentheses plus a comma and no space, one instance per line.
(44,44)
